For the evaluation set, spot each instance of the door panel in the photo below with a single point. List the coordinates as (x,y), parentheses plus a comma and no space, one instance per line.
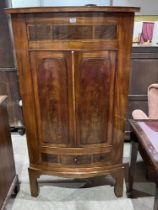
(50,72)
(94,79)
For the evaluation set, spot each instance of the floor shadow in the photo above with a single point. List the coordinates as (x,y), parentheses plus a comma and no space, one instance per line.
(139,194)
(143,186)
(80,183)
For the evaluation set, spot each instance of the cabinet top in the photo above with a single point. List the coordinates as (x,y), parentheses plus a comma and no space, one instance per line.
(71,9)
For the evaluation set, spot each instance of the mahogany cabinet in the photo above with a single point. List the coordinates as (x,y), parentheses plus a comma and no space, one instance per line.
(74,65)
(9,84)
(8,177)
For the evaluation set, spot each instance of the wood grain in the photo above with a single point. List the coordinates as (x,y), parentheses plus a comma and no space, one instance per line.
(94,80)
(73,9)
(50,75)
(75,90)
(8,178)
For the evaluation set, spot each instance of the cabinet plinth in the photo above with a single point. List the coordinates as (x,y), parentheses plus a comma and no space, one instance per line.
(74,68)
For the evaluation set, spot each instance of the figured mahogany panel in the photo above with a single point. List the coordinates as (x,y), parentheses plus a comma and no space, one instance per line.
(39,32)
(50,75)
(72,32)
(106,31)
(95,76)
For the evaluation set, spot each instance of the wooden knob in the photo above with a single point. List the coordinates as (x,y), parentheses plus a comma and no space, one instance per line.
(76,159)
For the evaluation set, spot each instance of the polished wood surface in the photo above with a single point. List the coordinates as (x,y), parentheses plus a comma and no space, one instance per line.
(94,84)
(8,177)
(74,68)
(144,139)
(50,75)
(72,9)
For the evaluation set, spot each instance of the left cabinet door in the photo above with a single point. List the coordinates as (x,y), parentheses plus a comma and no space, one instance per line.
(51,73)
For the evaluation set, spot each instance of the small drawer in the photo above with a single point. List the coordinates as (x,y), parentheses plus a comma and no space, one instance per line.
(101,157)
(49,158)
(75,159)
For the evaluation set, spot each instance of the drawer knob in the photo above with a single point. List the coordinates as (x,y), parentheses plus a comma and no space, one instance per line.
(76,160)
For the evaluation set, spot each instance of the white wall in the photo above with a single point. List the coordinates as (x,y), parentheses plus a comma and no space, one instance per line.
(34,3)
(74,2)
(148,7)
(25,3)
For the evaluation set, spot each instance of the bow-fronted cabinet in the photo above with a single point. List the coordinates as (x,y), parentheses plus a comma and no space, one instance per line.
(74,65)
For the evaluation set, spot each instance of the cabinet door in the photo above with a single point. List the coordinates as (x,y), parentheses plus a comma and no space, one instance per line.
(95,80)
(51,81)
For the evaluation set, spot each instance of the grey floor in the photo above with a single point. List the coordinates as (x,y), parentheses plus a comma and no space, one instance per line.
(61,194)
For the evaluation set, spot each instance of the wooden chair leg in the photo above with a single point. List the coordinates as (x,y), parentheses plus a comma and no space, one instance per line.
(156,199)
(33,175)
(132,164)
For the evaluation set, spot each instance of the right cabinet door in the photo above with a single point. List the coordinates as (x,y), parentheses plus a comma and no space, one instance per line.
(95,74)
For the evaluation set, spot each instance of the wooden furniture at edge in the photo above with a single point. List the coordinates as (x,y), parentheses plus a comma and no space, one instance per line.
(74,65)
(144,72)
(9,84)
(8,177)
(144,139)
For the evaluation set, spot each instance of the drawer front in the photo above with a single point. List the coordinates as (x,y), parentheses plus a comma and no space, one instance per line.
(75,159)
(49,158)
(104,157)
